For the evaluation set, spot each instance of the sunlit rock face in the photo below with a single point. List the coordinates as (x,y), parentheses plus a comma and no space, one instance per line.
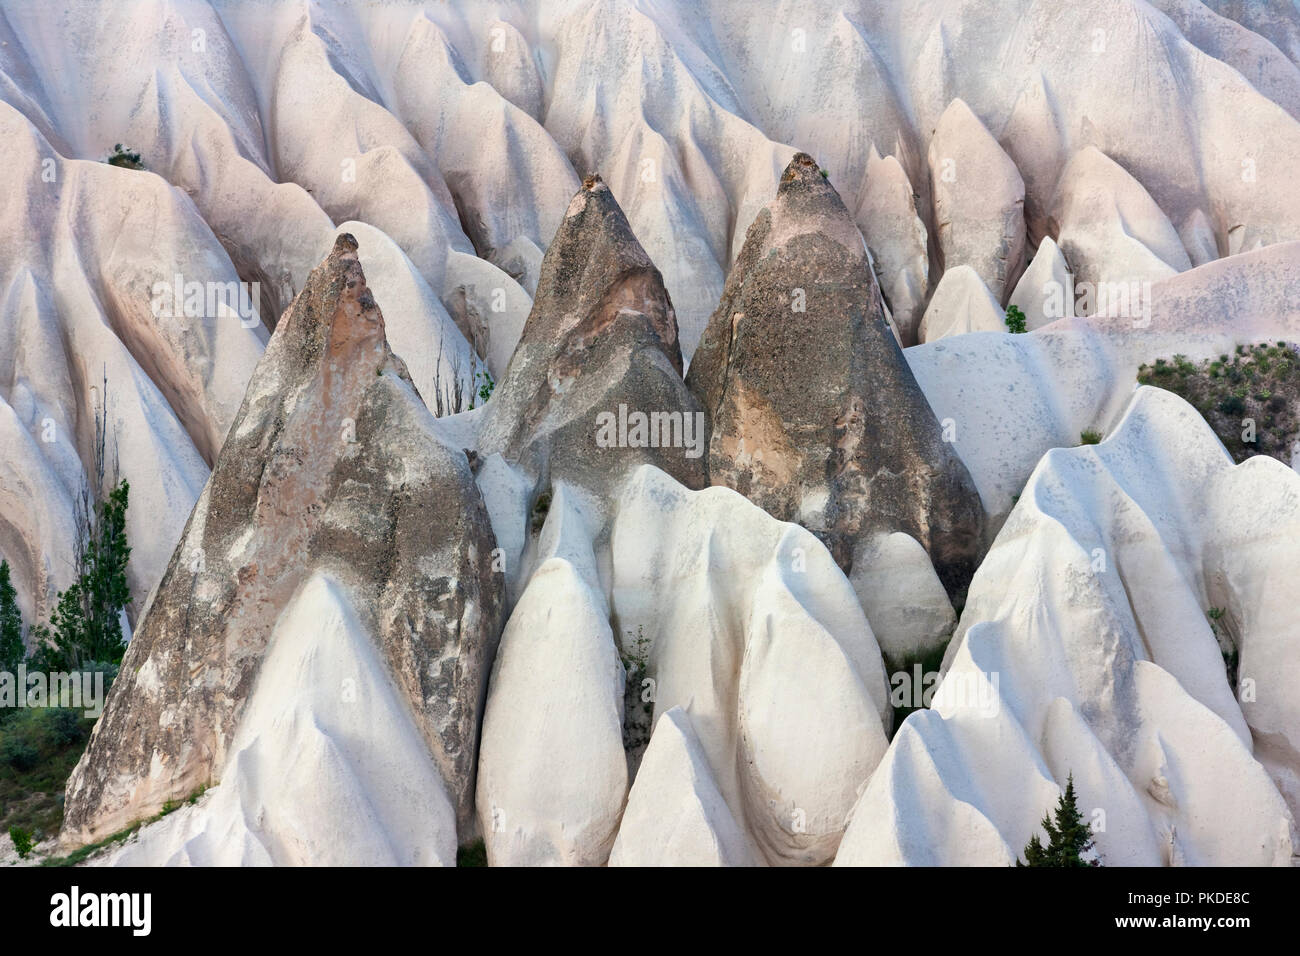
(595,384)
(738,272)
(814,414)
(333,465)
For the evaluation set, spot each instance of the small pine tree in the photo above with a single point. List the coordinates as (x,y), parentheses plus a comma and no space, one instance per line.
(11,624)
(1015,319)
(1069,836)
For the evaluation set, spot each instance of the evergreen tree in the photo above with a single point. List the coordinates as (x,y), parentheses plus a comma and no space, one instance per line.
(1069,836)
(86,624)
(1015,319)
(11,624)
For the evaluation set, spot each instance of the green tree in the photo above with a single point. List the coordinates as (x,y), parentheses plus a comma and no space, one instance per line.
(1015,319)
(23,841)
(11,624)
(1069,837)
(86,624)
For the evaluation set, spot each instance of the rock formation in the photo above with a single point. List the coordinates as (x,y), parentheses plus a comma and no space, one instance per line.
(979,201)
(961,304)
(748,625)
(595,384)
(333,466)
(897,240)
(1110,634)
(813,412)
(705,590)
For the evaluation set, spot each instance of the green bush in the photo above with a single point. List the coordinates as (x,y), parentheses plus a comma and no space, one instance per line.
(18,752)
(1232,405)
(1250,397)
(1089,437)
(541,508)
(1015,320)
(125,157)
(472,854)
(23,841)
(485,386)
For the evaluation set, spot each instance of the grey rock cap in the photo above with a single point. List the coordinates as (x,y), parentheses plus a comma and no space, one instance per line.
(602,334)
(814,413)
(332,465)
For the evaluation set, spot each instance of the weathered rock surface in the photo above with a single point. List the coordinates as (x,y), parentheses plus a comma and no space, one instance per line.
(1045,292)
(813,412)
(675,815)
(979,201)
(332,465)
(552,772)
(1110,228)
(747,623)
(1087,647)
(903,598)
(897,240)
(328,767)
(962,303)
(600,345)
(1012,398)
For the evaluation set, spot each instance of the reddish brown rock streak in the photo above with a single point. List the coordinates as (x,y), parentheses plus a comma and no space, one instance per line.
(333,466)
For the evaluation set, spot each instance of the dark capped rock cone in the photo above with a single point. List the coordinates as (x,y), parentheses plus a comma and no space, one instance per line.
(333,466)
(595,384)
(814,413)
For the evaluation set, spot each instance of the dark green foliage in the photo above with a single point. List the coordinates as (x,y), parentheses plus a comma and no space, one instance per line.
(85,625)
(124,157)
(1251,398)
(1089,437)
(638,714)
(1069,837)
(38,748)
(472,854)
(1227,644)
(1233,405)
(23,841)
(540,509)
(17,751)
(11,624)
(486,385)
(1015,319)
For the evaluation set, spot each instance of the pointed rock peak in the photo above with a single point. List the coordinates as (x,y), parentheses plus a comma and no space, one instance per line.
(802,169)
(602,334)
(332,466)
(595,255)
(592,247)
(815,414)
(336,306)
(806,202)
